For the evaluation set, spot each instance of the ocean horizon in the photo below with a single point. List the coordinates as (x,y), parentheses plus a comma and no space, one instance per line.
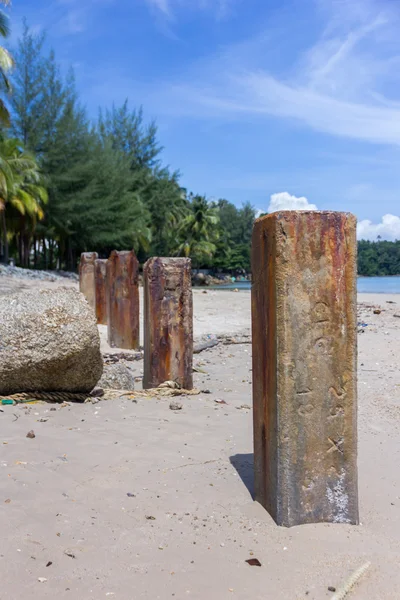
(365,285)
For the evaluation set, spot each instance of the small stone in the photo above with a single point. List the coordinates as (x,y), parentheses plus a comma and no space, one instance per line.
(69,553)
(117,376)
(331,589)
(42,579)
(396,315)
(31,434)
(43,420)
(377,311)
(174,405)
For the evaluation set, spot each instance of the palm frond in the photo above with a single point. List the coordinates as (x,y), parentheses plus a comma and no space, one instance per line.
(4,26)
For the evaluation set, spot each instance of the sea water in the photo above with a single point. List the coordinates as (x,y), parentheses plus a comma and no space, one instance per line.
(370,285)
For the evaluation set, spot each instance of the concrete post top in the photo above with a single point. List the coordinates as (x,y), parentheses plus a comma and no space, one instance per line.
(169,261)
(122,253)
(291,215)
(89,257)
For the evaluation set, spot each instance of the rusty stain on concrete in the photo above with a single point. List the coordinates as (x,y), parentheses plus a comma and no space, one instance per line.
(87,277)
(122,299)
(304,366)
(168,322)
(100,272)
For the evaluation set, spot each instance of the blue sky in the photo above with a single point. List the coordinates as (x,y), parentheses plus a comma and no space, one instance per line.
(282,103)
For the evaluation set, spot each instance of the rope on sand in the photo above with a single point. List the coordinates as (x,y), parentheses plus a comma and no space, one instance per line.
(351,582)
(169,388)
(46,396)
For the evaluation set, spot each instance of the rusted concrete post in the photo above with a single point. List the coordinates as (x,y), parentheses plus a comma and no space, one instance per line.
(100,272)
(87,278)
(304,366)
(168,322)
(122,289)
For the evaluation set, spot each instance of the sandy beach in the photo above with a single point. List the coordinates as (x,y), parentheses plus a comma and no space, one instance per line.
(130,500)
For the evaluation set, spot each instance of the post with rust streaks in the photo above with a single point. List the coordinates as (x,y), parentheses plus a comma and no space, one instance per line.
(168,322)
(304,366)
(122,299)
(87,277)
(100,271)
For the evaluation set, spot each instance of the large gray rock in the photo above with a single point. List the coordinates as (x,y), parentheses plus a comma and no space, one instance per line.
(49,341)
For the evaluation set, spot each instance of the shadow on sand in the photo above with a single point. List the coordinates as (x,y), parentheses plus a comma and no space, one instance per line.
(244,465)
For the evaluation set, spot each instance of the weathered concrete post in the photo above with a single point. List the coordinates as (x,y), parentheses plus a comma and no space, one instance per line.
(168,322)
(100,271)
(87,278)
(122,289)
(304,366)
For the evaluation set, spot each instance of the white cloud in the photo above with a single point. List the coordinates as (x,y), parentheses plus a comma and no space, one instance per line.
(387,229)
(344,84)
(285,201)
(163,5)
(220,7)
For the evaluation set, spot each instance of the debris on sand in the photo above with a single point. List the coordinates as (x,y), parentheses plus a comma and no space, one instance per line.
(174,405)
(253,562)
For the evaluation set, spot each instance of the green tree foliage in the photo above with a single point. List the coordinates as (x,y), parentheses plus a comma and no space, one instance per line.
(236,225)
(198,232)
(22,195)
(107,185)
(378,258)
(6,64)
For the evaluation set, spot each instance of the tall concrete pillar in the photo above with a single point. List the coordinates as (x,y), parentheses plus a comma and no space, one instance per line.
(168,322)
(122,289)
(304,366)
(87,277)
(100,272)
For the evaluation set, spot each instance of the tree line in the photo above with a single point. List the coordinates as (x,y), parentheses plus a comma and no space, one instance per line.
(97,185)
(69,184)
(378,258)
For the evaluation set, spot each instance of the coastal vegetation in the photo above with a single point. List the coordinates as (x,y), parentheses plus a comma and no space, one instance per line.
(69,184)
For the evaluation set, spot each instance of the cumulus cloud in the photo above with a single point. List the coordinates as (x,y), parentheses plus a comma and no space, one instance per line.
(387,229)
(285,201)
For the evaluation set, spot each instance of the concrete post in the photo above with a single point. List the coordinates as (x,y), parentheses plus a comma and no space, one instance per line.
(122,289)
(100,271)
(87,278)
(168,322)
(304,366)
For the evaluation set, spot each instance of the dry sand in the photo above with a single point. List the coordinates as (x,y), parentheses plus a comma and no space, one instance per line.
(189,522)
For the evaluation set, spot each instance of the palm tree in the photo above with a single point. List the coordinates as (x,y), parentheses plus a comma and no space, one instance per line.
(6,63)
(21,188)
(198,232)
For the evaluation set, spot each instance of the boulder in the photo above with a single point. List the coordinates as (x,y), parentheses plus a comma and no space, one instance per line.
(49,342)
(117,376)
